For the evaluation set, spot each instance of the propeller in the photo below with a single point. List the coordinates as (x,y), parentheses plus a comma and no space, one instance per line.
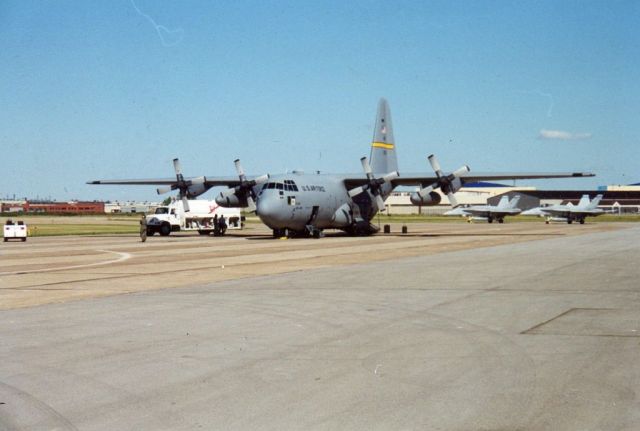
(449,184)
(374,184)
(245,188)
(185,188)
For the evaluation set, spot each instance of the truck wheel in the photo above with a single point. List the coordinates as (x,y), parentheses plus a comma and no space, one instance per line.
(24,239)
(204,232)
(165,229)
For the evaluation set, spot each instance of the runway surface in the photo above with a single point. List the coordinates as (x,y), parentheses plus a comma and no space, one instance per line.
(456,327)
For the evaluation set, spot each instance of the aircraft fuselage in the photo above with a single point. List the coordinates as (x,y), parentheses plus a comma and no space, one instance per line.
(298,201)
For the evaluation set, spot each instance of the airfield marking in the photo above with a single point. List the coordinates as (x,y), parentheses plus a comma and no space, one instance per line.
(123,257)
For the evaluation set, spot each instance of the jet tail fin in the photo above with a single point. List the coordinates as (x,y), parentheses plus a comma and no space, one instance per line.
(514,201)
(584,201)
(504,202)
(383,148)
(594,203)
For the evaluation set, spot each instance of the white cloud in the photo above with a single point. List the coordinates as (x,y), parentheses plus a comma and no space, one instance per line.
(562,136)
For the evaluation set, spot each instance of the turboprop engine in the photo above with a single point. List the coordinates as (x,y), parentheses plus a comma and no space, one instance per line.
(241,195)
(449,184)
(187,188)
(431,198)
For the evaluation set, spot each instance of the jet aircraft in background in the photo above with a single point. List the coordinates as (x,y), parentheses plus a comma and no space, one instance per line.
(569,212)
(299,204)
(488,213)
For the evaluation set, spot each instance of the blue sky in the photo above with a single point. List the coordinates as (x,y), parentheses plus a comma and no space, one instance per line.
(117,89)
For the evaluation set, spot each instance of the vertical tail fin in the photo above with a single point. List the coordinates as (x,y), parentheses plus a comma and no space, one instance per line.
(383,149)
(504,202)
(594,203)
(584,201)
(514,201)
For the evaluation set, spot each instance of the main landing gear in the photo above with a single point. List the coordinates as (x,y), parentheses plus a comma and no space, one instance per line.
(310,231)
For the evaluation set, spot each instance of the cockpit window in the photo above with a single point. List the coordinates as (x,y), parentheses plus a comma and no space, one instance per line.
(290,185)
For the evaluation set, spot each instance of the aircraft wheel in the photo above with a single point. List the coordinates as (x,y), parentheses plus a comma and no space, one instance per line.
(546,222)
(500,220)
(489,220)
(569,221)
(581,221)
(317,233)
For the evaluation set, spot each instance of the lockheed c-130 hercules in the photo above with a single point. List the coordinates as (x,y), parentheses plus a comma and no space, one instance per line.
(299,204)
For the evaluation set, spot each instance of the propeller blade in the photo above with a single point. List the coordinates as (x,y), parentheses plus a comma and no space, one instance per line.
(261,179)
(435,165)
(251,204)
(177,166)
(390,176)
(185,203)
(461,171)
(164,189)
(452,200)
(239,169)
(356,191)
(424,192)
(366,166)
(380,203)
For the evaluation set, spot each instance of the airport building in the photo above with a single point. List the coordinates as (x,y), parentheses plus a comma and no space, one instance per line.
(76,207)
(73,207)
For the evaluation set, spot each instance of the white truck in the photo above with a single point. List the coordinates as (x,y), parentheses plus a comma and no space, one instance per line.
(17,230)
(203,217)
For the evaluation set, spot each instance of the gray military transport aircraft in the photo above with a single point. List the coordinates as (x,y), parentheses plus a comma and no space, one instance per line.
(299,204)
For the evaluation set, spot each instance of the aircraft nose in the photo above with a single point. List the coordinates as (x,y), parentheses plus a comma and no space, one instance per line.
(267,210)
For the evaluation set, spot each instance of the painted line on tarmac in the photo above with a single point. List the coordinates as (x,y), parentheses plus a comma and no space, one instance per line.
(123,257)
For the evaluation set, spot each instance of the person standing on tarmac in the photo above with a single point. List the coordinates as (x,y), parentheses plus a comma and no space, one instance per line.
(143,228)
(223,225)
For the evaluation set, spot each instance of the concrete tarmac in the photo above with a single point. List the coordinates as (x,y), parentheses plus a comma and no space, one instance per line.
(537,334)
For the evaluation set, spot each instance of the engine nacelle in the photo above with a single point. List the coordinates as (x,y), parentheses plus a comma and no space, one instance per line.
(231,201)
(195,190)
(432,198)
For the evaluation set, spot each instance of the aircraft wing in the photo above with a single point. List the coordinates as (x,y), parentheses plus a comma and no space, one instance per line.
(424,180)
(230,181)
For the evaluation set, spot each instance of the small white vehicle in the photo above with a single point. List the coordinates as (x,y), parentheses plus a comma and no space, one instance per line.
(203,216)
(17,230)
